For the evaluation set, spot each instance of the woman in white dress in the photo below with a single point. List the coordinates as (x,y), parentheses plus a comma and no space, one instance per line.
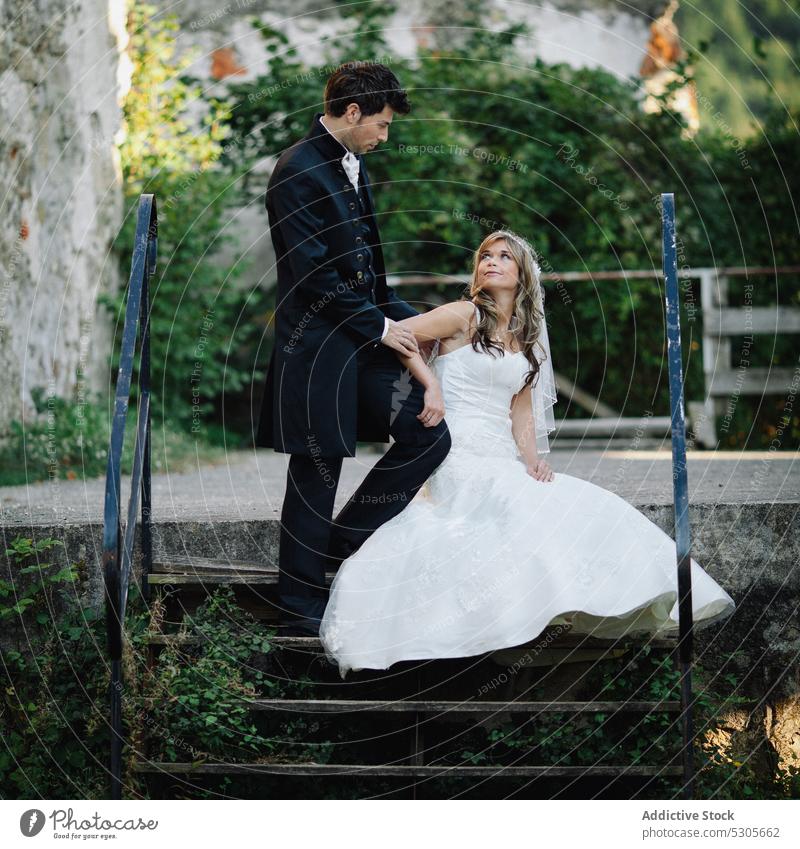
(497,546)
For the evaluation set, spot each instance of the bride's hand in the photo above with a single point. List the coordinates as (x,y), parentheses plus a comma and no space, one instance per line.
(433,410)
(540,470)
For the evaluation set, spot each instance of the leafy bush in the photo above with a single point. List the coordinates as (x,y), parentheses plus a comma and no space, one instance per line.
(193,701)
(69,439)
(52,713)
(568,158)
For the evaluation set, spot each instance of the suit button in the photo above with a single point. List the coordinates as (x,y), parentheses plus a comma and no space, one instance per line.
(352,205)
(360,257)
(360,275)
(356,222)
(359,240)
(347,186)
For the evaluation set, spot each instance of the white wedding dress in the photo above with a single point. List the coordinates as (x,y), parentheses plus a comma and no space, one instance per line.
(486,557)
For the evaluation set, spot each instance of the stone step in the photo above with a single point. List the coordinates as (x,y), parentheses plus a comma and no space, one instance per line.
(743,508)
(406,770)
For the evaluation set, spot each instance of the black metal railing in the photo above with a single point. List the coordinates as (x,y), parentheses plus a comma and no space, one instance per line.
(118,550)
(680,487)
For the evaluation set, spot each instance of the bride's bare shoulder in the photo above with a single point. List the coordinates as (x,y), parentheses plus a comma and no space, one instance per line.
(462,325)
(463,311)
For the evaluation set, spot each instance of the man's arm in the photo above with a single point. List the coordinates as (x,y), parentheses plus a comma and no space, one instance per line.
(303,232)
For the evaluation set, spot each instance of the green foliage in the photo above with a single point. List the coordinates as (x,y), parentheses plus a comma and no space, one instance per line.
(745,56)
(193,703)
(68,439)
(54,684)
(194,709)
(568,158)
(203,328)
(728,770)
(64,438)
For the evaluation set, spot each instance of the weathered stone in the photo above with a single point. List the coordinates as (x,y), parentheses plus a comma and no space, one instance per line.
(60,186)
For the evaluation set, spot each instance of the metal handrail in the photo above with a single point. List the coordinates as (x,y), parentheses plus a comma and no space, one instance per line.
(118,551)
(680,487)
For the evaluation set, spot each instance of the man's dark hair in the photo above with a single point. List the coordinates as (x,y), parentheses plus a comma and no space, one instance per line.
(368,84)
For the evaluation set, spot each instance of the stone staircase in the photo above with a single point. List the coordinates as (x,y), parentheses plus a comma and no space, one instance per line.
(423,724)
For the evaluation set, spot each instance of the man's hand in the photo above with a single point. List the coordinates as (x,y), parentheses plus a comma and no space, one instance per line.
(399,339)
(433,411)
(540,470)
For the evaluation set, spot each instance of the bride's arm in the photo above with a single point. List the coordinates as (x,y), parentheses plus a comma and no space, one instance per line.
(524,432)
(433,408)
(441,323)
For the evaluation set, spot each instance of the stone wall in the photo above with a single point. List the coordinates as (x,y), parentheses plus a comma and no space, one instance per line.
(61,80)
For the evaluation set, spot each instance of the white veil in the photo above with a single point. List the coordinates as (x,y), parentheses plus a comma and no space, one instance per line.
(543,392)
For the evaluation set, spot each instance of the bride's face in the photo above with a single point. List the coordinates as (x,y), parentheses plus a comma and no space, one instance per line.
(497,268)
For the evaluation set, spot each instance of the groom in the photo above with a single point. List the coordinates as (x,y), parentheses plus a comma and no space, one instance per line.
(333,376)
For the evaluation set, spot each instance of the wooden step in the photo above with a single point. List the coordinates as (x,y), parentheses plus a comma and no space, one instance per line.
(185,571)
(186,564)
(337,706)
(564,641)
(405,770)
(218,579)
(263,578)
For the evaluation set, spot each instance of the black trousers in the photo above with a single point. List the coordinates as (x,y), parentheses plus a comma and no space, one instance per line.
(310,540)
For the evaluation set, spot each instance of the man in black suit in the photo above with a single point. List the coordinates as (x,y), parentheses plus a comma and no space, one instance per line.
(334,377)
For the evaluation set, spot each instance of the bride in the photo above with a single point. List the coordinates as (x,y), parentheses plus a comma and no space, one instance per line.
(497,546)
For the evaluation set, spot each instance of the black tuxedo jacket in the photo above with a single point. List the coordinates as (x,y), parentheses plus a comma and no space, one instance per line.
(328,321)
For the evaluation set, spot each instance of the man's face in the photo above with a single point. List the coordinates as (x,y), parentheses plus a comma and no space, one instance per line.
(370,130)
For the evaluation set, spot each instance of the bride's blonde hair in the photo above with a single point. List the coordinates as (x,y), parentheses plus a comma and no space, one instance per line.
(528,310)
